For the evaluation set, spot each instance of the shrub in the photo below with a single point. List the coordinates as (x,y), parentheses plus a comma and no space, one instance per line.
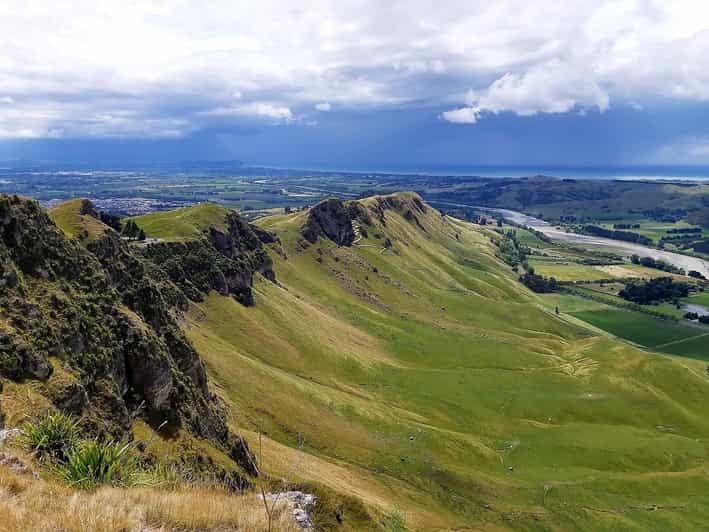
(53,436)
(94,462)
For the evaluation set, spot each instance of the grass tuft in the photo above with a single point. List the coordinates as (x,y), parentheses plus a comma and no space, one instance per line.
(53,436)
(94,462)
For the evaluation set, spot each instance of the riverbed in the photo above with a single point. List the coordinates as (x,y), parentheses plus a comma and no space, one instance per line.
(678,260)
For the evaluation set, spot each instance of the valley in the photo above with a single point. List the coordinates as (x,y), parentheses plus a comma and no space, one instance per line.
(424,369)
(387,356)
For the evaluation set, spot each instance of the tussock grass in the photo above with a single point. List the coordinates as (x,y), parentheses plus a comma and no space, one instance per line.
(93,462)
(27,503)
(53,436)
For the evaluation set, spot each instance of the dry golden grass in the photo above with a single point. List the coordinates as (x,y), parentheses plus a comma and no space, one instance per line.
(27,503)
(384,493)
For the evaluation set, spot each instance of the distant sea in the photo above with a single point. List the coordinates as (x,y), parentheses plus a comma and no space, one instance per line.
(636,172)
(639,172)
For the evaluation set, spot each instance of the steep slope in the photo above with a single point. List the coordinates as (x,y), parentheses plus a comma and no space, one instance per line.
(420,375)
(91,327)
(78,218)
(381,348)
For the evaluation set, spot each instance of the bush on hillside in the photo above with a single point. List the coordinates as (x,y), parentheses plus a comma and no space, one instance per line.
(538,283)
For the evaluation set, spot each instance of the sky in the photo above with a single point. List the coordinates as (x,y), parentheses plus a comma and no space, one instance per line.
(356,83)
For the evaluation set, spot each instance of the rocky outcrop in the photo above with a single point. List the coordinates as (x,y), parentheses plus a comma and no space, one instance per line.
(88,209)
(224,261)
(408,204)
(333,219)
(108,317)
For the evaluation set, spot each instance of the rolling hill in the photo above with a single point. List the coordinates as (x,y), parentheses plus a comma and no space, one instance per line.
(78,218)
(418,374)
(387,354)
(182,224)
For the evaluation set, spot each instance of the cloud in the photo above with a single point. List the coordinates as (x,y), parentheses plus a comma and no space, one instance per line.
(688,150)
(323,107)
(552,87)
(464,115)
(278,113)
(185,68)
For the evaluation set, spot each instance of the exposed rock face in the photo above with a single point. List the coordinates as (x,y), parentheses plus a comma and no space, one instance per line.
(409,205)
(88,209)
(109,317)
(225,261)
(333,219)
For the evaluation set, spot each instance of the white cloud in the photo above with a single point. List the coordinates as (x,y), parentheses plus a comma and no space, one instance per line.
(464,115)
(256,109)
(324,107)
(551,87)
(170,62)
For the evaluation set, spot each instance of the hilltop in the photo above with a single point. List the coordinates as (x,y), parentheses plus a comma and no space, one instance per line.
(78,218)
(183,224)
(385,353)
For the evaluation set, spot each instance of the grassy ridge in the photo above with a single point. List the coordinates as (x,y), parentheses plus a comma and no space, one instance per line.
(182,224)
(67,216)
(430,375)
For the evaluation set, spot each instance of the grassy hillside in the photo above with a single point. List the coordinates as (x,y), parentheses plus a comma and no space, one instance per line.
(423,377)
(183,224)
(72,218)
(580,199)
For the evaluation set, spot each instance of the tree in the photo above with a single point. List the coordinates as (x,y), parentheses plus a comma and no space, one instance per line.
(132,231)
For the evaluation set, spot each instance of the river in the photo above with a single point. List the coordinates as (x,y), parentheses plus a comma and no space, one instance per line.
(685,262)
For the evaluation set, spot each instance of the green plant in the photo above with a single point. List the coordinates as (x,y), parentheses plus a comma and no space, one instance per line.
(95,462)
(53,436)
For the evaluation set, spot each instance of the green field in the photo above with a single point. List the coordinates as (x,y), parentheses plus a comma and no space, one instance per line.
(650,228)
(698,299)
(568,271)
(650,332)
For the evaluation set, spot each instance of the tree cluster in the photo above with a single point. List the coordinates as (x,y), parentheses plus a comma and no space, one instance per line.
(132,231)
(654,291)
(649,262)
(539,283)
(626,236)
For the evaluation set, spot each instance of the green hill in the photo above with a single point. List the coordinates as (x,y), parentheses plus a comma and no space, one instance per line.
(383,352)
(183,224)
(78,218)
(422,376)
